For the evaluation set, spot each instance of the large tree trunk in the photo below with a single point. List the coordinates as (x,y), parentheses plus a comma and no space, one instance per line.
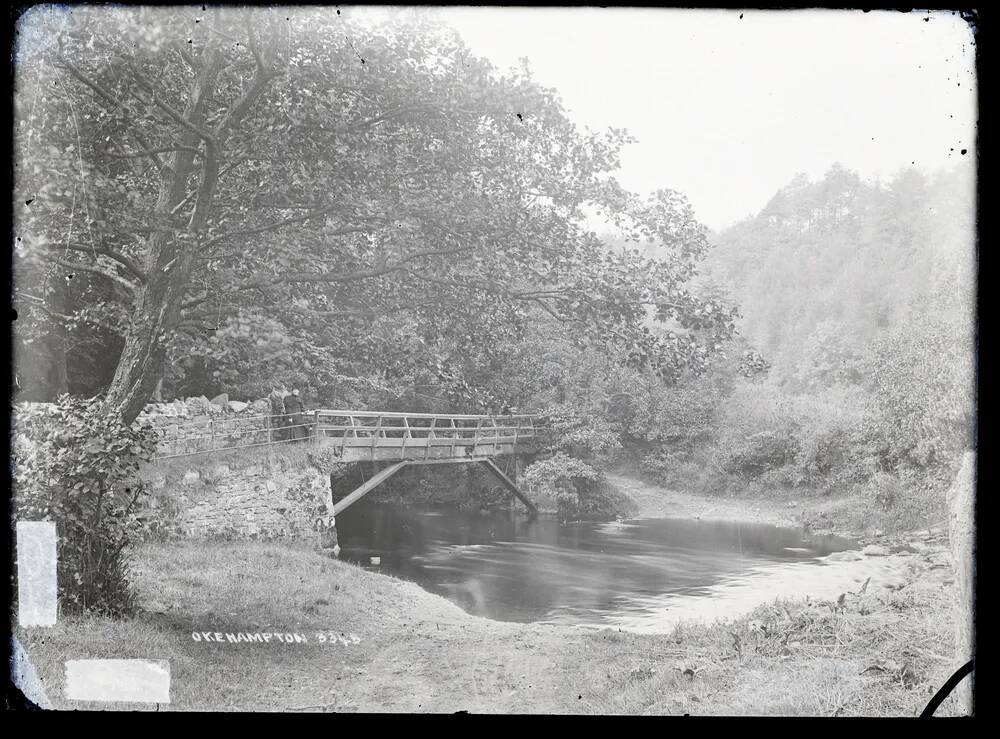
(142,359)
(169,258)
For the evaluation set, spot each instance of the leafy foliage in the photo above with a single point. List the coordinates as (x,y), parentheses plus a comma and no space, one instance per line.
(752,363)
(570,482)
(922,400)
(311,197)
(827,268)
(78,467)
(861,296)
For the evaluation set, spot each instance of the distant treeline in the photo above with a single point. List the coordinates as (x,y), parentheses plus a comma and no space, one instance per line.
(859,298)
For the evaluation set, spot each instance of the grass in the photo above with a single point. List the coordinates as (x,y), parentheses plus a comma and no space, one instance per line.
(406,650)
(879,656)
(216,587)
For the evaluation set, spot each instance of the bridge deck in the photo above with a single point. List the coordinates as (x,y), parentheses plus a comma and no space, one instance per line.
(358,436)
(416,436)
(366,435)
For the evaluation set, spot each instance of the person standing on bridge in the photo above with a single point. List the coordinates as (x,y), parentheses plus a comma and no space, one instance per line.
(293,407)
(277,401)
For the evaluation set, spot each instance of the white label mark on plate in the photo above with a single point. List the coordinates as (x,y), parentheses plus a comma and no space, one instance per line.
(125,680)
(36,573)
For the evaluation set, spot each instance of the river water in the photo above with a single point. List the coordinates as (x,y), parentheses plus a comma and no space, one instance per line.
(642,575)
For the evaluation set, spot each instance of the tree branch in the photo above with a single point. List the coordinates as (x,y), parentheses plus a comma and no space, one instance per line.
(227,309)
(454,283)
(150,152)
(73,70)
(94,270)
(114,328)
(261,66)
(551,312)
(187,199)
(326,277)
(280,224)
(123,260)
(206,188)
(168,109)
(331,313)
(390,115)
(261,79)
(186,57)
(106,95)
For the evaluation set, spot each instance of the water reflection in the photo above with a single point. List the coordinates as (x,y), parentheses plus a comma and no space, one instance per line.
(639,575)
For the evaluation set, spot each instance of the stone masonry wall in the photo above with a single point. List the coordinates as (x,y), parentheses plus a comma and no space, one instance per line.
(199,424)
(260,499)
(261,492)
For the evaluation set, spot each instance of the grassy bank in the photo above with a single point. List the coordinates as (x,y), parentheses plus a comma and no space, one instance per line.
(818,511)
(390,646)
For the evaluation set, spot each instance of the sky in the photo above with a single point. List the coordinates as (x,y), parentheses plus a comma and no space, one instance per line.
(727,109)
(728,106)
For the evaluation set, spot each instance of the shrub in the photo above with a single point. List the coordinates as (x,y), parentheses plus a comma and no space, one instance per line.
(885,491)
(900,502)
(78,467)
(599,500)
(584,436)
(760,453)
(923,403)
(778,438)
(752,363)
(660,464)
(579,490)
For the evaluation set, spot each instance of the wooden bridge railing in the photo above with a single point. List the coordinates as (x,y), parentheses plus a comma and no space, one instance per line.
(386,434)
(390,435)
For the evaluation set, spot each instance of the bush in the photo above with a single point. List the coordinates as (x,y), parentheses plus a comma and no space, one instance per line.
(579,490)
(78,467)
(601,501)
(777,438)
(584,436)
(900,503)
(923,404)
(760,453)
(662,464)
(885,491)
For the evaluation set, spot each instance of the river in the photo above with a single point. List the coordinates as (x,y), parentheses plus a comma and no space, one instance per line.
(642,575)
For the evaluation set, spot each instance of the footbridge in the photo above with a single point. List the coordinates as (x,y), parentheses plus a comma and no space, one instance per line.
(398,438)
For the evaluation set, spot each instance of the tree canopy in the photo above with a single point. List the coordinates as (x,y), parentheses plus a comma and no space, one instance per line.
(829,267)
(241,196)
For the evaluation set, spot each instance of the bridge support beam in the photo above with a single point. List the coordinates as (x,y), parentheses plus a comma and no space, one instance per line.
(510,484)
(341,505)
(373,483)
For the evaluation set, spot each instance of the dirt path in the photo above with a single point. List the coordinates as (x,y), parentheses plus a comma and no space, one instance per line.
(468,667)
(437,658)
(823,515)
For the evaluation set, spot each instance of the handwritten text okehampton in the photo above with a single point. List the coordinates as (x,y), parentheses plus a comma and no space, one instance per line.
(321,637)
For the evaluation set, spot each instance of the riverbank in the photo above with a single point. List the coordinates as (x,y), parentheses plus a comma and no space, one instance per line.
(363,641)
(654,501)
(816,513)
